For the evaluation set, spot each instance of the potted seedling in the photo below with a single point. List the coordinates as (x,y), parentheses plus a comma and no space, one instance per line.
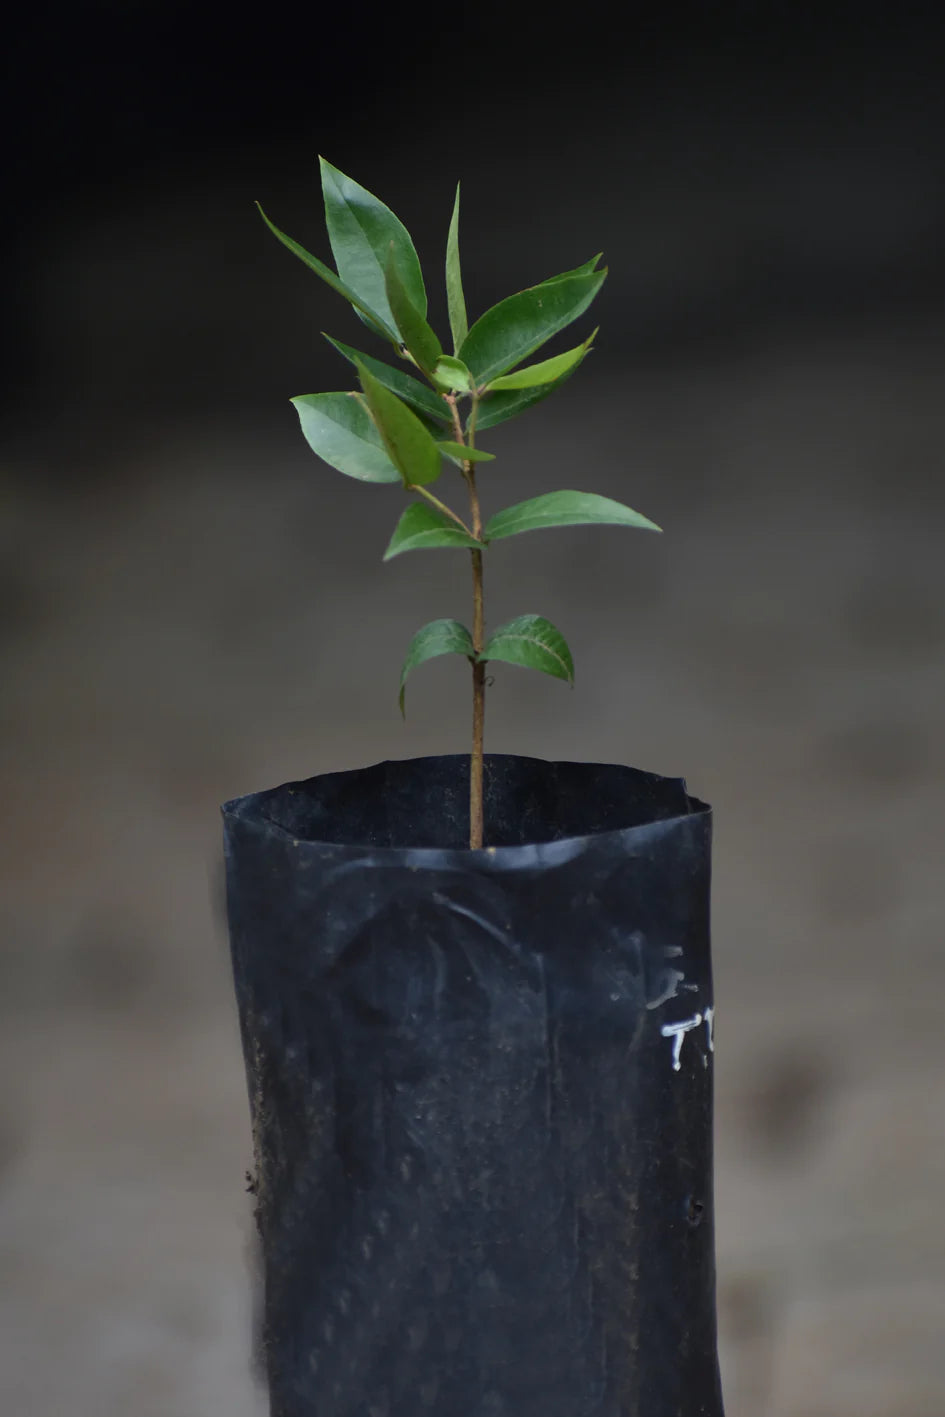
(474,991)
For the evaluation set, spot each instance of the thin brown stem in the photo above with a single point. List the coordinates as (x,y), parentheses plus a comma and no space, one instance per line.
(479,707)
(457,422)
(476,810)
(476,813)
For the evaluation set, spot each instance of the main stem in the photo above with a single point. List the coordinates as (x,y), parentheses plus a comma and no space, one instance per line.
(478,632)
(479,688)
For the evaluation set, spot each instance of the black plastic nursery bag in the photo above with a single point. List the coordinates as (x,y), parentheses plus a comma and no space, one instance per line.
(481,1090)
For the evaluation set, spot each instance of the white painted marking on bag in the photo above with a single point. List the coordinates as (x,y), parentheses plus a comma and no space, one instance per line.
(674,978)
(678,1031)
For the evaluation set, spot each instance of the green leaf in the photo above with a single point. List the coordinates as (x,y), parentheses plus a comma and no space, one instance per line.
(451,374)
(456,301)
(340,430)
(423,528)
(369,315)
(563,509)
(411,448)
(533,642)
(405,386)
(547,371)
(416,333)
(514,328)
(583,270)
(460,452)
(361,229)
(436,638)
(509,403)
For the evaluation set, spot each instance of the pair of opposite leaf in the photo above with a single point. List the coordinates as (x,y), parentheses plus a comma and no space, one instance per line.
(399,429)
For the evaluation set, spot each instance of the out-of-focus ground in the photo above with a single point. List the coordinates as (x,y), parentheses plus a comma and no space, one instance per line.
(193,607)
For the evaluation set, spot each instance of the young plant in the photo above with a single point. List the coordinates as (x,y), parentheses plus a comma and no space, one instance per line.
(397,428)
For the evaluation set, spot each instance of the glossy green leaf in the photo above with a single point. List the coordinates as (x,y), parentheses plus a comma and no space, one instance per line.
(456,300)
(410,446)
(547,371)
(451,374)
(581,270)
(361,229)
(368,314)
(509,403)
(405,386)
(464,454)
(340,430)
(563,509)
(516,327)
(534,643)
(415,332)
(423,528)
(436,638)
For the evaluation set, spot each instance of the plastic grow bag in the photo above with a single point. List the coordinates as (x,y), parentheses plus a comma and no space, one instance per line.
(481,1090)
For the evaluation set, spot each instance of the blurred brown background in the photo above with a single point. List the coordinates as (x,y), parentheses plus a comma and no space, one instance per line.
(192,607)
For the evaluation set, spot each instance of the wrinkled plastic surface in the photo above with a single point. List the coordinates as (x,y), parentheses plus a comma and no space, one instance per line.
(481,1090)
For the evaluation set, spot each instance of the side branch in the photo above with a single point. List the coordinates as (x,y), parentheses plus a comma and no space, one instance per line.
(442,507)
